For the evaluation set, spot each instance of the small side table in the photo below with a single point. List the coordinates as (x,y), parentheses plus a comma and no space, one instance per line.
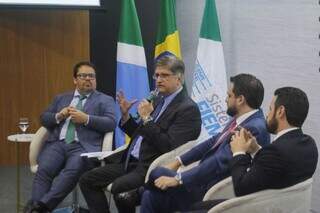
(17,139)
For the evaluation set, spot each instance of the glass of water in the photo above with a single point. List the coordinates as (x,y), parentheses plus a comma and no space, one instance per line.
(23,124)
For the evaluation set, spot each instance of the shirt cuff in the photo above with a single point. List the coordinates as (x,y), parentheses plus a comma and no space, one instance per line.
(238,153)
(179,159)
(56,116)
(253,154)
(87,121)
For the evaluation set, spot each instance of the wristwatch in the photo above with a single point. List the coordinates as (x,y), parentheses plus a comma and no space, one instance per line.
(147,119)
(178,178)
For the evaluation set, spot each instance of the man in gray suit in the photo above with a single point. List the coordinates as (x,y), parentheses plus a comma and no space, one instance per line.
(77,122)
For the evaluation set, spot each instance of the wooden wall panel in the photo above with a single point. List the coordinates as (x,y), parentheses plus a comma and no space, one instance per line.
(38,49)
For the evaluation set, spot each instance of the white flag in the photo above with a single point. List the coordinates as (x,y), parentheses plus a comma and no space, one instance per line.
(209,80)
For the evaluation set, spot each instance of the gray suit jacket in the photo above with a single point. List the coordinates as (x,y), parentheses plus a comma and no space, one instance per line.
(98,106)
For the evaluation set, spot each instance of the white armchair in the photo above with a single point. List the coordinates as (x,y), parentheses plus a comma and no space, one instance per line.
(35,147)
(221,190)
(169,156)
(161,160)
(42,134)
(293,199)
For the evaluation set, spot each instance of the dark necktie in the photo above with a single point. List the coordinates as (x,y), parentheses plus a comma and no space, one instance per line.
(71,131)
(157,110)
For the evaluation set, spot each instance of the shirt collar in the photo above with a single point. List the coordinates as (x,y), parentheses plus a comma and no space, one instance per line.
(170,97)
(246,115)
(284,131)
(77,94)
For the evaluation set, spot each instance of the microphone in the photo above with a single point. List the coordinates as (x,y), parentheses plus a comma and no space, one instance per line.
(153,94)
(151,97)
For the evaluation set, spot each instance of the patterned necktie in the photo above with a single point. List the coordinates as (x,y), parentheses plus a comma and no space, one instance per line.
(71,131)
(231,127)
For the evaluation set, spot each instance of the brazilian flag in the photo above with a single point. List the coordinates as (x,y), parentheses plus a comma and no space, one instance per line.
(168,41)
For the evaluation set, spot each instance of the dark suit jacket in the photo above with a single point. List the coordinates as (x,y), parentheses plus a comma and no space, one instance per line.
(99,107)
(214,162)
(178,124)
(291,159)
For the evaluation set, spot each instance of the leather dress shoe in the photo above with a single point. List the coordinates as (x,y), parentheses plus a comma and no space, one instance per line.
(39,207)
(126,202)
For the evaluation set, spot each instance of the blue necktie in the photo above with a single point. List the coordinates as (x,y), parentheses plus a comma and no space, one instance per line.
(156,112)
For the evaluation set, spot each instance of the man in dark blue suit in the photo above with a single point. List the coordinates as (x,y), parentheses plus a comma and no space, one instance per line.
(77,122)
(169,190)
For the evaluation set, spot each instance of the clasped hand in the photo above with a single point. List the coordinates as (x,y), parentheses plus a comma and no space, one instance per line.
(76,115)
(243,141)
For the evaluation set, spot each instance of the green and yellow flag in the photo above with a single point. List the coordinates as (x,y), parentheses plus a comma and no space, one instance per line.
(168,41)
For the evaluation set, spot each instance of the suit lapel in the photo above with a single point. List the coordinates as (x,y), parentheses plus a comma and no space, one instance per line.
(227,138)
(91,99)
(68,98)
(172,106)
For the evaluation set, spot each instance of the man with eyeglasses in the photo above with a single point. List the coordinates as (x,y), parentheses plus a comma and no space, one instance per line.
(77,122)
(172,120)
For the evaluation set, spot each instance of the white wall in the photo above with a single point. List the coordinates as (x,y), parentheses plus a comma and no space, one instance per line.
(275,40)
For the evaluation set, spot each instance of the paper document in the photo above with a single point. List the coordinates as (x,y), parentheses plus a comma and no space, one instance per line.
(99,155)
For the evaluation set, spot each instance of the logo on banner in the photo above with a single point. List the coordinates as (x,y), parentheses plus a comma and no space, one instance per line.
(210,103)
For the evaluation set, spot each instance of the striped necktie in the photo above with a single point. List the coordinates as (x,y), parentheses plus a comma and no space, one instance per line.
(227,131)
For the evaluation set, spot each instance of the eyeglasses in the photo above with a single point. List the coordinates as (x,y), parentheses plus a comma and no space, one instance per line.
(163,76)
(84,76)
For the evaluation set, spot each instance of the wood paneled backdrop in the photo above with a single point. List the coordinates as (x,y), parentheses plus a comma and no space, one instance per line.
(38,49)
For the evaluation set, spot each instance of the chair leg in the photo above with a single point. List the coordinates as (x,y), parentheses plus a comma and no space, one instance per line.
(75,200)
(109,198)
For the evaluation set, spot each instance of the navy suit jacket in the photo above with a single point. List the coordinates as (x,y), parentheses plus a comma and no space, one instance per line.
(290,159)
(98,106)
(214,162)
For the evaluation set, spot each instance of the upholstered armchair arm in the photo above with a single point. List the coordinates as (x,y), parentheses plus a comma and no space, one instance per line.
(107,142)
(35,147)
(296,198)
(221,190)
(169,156)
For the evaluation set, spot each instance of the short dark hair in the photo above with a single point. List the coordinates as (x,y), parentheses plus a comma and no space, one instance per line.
(172,63)
(295,102)
(80,64)
(250,87)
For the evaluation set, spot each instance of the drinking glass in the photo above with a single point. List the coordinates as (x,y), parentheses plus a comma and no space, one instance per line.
(23,124)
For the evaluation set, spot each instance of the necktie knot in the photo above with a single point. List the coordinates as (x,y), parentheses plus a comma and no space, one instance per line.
(82,97)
